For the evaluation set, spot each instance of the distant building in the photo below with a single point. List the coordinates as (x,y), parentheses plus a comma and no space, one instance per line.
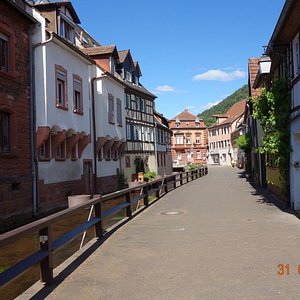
(140,124)
(163,145)
(220,149)
(189,139)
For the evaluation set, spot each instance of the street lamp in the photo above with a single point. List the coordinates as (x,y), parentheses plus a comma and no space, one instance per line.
(264,64)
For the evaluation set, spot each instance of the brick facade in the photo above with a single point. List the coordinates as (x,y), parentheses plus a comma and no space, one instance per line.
(15,162)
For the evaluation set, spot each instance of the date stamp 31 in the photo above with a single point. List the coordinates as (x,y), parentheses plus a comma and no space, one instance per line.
(287,269)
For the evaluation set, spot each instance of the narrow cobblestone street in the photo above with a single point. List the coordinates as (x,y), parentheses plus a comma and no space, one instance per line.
(226,242)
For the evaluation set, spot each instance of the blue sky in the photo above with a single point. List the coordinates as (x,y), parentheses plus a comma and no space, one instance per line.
(192,53)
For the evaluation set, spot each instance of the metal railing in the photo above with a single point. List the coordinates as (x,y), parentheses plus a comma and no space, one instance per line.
(43,227)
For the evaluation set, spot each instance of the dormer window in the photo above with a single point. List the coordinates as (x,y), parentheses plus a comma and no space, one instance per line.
(197,122)
(112,65)
(128,76)
(177,122)
(67,29)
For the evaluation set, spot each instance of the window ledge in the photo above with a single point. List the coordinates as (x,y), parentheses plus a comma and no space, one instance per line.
(61,106)
(59,159)
(78,112)
(44,159)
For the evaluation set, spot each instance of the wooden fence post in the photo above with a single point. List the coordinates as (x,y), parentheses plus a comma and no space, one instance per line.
(128,208)
(98,214)
(145,191)
(46,265)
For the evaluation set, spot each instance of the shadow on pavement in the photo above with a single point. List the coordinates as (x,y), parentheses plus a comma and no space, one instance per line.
(266,197)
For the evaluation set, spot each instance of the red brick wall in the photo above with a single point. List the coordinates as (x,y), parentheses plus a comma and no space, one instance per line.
(107,184)
(15,167)
(55,195)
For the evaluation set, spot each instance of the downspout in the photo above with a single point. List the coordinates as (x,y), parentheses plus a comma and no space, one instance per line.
(34,162)
(94,129)
(155,147)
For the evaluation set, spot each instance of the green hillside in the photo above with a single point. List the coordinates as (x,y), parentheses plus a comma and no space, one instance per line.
(224,105)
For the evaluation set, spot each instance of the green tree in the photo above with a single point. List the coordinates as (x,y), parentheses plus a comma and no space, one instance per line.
(272,108)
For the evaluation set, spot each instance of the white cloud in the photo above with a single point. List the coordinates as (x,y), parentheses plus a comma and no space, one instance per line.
(209,105)
(164,88)
(219,75)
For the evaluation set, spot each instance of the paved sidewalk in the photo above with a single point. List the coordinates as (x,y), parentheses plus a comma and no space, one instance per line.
(225,243)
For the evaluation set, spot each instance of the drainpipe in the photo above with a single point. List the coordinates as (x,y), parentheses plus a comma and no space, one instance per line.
(94,129)
(155,146)
(34,162)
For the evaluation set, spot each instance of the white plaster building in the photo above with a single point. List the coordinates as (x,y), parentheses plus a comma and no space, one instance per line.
(64,152)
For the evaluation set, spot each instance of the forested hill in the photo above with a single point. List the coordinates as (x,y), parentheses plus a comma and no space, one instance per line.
(224,105)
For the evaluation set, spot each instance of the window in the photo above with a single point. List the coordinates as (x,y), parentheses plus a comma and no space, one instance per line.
(100,154)
(128,76)
(178,155)
(129,132)
(60,152)
(119,112)
(5,143)
(296,45)
(77,94)
(142,104)
(127,161)
(138,103)
(133,102)
(128,101)
(7,49)
(3,52)
(198,140)
(189,154)
(112,64)
(198,155)
(74,153)
(44,151)
(188,140)
(67,30)
(111,113)
(179,140)
(187,124)
(61,87)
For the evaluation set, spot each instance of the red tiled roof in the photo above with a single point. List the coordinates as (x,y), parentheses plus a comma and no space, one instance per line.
(235,111)
(253,71)
(185,116)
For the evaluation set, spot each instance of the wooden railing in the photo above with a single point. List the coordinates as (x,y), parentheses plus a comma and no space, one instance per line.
(43,227)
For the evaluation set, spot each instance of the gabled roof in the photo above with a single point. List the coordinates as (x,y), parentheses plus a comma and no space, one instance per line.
(252,74)
(139,88)
(287,25)
(185,116)
(234,112)
(45,5)
(123,54)
(137,68)
(101,50)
